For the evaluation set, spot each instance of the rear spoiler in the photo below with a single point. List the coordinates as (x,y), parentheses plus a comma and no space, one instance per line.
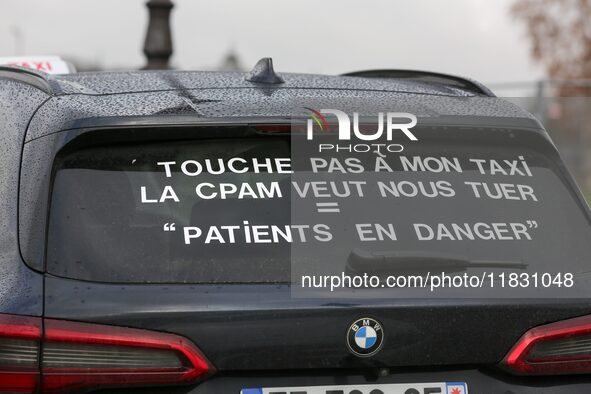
(428,77)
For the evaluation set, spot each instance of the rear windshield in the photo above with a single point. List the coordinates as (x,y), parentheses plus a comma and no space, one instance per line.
(239,211)
(119,213)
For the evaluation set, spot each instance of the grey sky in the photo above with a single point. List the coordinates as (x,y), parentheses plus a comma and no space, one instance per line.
(476,38)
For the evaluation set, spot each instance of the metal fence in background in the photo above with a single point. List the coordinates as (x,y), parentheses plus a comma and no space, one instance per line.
(564,107)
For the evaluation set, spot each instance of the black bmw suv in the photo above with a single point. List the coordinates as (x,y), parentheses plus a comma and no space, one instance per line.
(216,232)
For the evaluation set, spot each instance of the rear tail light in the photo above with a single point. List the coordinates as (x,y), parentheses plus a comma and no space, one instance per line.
(76,357)
(558,348)
(19,353)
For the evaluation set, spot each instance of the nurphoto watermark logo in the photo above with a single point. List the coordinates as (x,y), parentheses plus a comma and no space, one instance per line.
(387,126)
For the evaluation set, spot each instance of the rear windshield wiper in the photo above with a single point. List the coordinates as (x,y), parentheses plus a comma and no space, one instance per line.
(396,262)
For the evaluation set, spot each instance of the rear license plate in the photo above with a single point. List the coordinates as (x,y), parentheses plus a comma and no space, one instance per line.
(402,388)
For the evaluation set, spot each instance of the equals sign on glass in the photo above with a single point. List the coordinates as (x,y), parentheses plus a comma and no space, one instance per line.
(325,207)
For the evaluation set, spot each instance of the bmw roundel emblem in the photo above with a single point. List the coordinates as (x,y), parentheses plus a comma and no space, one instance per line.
(365,337)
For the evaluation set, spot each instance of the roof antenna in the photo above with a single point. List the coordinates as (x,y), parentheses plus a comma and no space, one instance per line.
(263,72)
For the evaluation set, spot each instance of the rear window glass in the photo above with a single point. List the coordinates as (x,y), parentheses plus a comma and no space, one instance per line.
(232,211)
(118,215)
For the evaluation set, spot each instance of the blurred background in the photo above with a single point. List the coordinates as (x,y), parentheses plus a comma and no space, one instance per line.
(537,53)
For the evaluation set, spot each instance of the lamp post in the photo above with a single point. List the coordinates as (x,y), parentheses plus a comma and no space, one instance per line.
(158,44)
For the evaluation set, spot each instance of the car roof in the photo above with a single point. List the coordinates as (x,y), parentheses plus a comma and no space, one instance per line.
(262,75)
(149,81)
(176,97)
